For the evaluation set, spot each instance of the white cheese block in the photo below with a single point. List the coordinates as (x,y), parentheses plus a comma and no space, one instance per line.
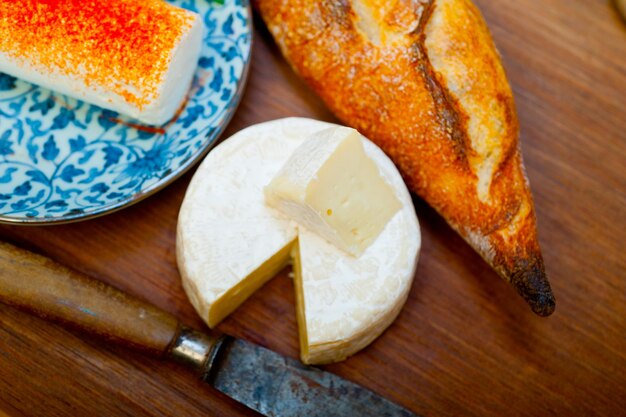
(229,242)
(330,186)
(134,57)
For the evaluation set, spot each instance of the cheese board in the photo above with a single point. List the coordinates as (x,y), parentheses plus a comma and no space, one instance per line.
(464,344)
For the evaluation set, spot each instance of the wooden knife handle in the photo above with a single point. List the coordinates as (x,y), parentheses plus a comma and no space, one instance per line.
(49,290)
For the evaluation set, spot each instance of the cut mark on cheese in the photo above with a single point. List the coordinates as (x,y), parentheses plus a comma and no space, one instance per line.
(299,292)
(330,186)
(236,295)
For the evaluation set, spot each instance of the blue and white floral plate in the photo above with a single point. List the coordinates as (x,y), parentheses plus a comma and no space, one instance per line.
(63,160)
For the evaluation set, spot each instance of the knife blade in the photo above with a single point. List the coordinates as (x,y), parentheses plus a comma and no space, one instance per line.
(264,381)
(284,387)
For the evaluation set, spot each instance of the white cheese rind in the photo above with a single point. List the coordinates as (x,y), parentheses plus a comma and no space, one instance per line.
(350,301)
(171,91)
(226,230)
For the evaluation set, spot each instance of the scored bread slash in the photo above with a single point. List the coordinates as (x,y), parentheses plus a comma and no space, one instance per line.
(230,242)
(133,57)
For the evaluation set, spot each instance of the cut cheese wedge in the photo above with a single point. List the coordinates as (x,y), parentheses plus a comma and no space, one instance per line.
(230,242)
(330,186)
(136,57)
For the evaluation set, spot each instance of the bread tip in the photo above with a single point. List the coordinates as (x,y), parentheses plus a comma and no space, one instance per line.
(545,306)
(531,282)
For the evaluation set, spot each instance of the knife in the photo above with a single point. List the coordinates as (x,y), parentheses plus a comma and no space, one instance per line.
(262,380)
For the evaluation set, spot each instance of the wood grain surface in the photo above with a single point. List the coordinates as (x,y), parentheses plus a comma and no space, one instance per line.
(465,343)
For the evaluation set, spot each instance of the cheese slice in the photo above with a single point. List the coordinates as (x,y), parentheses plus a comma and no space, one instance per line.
(230,242)
(330,186)
(135,57)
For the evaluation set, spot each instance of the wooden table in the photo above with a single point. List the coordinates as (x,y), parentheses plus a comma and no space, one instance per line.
(465,344)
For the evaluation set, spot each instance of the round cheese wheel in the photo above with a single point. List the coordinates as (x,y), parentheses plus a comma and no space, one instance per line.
(230,242)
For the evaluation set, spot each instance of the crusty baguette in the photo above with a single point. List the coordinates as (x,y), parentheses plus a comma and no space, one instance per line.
(424,81)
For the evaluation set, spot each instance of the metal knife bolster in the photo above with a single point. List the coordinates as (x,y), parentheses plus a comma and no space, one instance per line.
(198,351)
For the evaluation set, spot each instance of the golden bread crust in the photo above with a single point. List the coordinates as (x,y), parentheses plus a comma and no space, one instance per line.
(423,80)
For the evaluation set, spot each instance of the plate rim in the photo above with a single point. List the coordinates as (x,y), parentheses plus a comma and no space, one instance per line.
(160,185)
